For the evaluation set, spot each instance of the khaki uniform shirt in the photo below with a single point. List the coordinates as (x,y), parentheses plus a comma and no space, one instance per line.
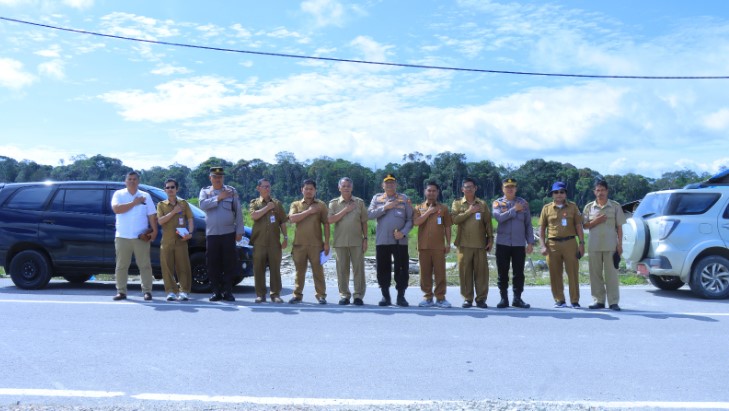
(604,237)
(560,222)
(169,229)
(267,229)
(309,230)
(348,230)
(432,233)
(474,230)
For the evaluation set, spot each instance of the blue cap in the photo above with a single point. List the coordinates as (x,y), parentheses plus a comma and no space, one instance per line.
(558,186)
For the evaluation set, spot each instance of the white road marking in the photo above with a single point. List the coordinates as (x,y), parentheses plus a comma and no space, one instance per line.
(328,402)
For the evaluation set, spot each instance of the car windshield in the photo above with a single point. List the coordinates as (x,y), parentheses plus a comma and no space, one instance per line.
(657,204)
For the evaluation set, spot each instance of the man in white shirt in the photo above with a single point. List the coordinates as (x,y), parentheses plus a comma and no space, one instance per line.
(136,228)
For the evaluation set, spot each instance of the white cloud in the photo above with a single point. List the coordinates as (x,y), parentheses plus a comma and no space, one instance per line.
(371,49)
(168,70)
(54,51)
(132,25)
(12,74)
(325,12)
(718,120)
(241,31)
(210,30)
(53,68)
(79,4)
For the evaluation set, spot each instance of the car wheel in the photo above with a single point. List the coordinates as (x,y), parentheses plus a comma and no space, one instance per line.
(199,268)
(666,282)
(77,278)
(30,270)
(710,277)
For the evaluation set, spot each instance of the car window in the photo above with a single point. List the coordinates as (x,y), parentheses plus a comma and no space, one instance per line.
(30,198)
(652,204)
(726,212)
(84,201)
(691,203)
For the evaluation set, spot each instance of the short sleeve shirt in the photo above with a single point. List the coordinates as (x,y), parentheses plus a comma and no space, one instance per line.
(169,229)
(267,229)
(348,230)
(136,220)
(432,233)
(560,222)
(473,230)
(604,237)
(309,230)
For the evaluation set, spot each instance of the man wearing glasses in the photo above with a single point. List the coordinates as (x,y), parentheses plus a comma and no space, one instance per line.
(559,224)
(474,238)
(175,217)
(269,224)
(224,227)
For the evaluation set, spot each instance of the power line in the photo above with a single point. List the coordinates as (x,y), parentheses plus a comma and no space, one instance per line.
(378,63)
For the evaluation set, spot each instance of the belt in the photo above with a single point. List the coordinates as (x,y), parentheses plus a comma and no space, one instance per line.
(560,239)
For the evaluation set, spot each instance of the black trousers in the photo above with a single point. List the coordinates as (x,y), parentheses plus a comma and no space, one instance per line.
(222,261)
(510,256)
(385,255)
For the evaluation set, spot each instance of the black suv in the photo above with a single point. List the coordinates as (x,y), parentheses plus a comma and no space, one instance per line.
(67,229)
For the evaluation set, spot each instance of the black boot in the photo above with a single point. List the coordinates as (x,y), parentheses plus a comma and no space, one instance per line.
(385,301)
(401,301)
(518,302)
(504,303)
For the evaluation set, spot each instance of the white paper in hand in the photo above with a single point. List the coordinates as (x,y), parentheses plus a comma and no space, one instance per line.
(323,258)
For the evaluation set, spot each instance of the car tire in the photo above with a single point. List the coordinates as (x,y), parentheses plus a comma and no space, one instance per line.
(710,278)
(77,278)
(199,269)
(636,239)
(666,282)
(30,270)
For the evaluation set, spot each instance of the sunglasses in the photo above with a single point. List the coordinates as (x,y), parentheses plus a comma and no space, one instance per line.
(170,187)
(559,192)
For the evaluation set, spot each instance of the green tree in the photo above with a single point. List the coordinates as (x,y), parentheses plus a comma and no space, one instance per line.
(9,169)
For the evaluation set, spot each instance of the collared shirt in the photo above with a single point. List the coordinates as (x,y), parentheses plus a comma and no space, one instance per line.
(560,222)
(136,220)
(169,229)
(474,230)
(309,230)
(604,237)
(222,217)
(348,230)
(267,229)
(432,233)
(515,228)
(398,218)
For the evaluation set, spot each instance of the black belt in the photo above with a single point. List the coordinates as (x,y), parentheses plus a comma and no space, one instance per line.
(560,239)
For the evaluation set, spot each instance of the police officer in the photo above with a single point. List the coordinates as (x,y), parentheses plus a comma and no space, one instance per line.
(514,239)
(223,229)
(559,224)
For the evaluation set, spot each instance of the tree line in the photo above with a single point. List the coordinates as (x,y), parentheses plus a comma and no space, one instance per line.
(535,177)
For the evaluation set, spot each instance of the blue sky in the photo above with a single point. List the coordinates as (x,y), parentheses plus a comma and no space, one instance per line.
(65,94)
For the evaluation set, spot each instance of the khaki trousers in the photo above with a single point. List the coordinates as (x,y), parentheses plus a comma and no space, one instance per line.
(175,260)
(302,254)
(270,256)
(355,257)
(473,270)
(563,254)
(604,278)
(125,248)
(432,265)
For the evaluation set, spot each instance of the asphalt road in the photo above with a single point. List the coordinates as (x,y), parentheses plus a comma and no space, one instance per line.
(71,345)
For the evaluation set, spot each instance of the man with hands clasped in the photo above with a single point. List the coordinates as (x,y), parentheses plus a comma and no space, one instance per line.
(434,243)
(174,214)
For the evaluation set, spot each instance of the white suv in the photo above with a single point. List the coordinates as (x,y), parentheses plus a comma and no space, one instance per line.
(681,236)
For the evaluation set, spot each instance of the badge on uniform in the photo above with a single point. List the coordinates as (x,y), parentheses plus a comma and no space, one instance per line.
(478,216)
(180,221)
(272,218)
(564,222)
(440,221)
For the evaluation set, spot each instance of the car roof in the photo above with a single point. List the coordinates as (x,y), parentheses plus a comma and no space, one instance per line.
(74,183)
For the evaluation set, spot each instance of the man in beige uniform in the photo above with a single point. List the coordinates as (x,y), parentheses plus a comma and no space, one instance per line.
(604,218)
(269,224)
(172,214)
(349,216)
(559,223)
(434,243)
(474,238)
(309,214)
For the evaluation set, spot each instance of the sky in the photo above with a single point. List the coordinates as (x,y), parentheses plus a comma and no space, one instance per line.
(65,94)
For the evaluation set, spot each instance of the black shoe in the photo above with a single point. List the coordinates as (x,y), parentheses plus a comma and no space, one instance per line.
(596,306)
(503,303)
(467,304)
(228,296)
(147,296)
(402,302)
(216,297)
(119,297)
(344,301)
(519,303)
(358,301)
(481,304)
(614,307)
(321,300)
(295,300)
(575,305)
(384,302)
